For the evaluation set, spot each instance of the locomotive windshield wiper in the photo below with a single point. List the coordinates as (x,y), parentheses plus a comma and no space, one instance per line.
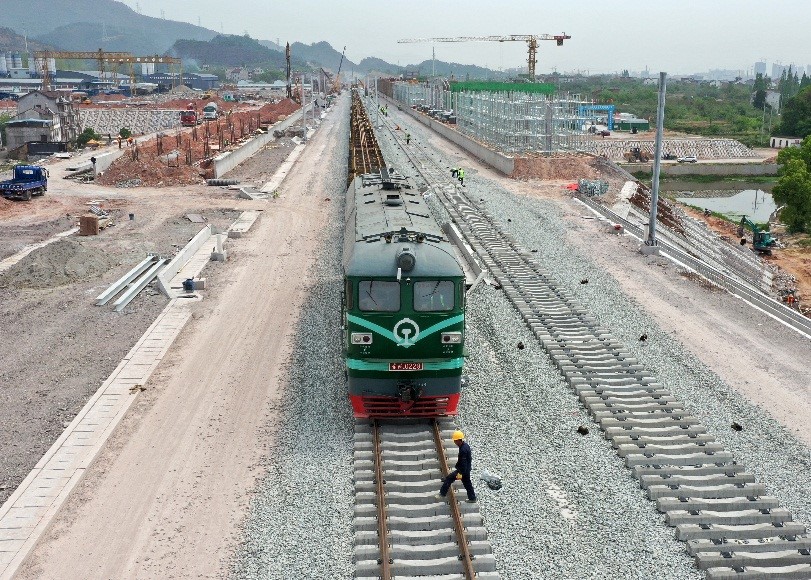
(369,293)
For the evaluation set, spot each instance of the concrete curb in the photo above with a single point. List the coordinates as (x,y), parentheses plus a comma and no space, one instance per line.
(180,260)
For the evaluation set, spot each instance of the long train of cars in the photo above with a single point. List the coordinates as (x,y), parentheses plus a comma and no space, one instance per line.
(404,303)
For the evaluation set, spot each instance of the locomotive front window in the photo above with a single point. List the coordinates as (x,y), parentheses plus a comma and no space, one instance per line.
(377,296)
(433,296)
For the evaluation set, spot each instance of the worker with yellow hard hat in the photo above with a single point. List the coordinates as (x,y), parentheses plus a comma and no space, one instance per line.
(464,465)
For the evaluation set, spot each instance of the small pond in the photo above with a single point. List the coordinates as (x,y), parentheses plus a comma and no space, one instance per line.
(756,204)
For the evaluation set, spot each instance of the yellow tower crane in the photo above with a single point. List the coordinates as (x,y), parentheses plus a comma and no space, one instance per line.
(43,57)
(530,39)
(104,59)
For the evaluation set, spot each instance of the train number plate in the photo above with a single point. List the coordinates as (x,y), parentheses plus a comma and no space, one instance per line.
(405,366)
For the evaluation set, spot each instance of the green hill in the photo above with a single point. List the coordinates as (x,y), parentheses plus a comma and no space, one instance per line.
(94,24)
(232,50)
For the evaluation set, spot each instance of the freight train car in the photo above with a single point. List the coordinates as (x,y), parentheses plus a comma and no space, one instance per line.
(404,303)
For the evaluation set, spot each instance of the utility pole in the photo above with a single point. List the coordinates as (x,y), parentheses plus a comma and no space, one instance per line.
(303,109)
(377,107)
(651,243)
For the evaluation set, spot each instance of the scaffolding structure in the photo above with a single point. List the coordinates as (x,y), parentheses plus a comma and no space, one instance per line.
(512,122)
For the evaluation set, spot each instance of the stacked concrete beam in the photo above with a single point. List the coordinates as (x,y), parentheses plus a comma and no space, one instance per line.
(139,121)
(702,148)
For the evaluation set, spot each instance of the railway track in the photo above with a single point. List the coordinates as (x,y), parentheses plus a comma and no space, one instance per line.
(729,523)
(401,529)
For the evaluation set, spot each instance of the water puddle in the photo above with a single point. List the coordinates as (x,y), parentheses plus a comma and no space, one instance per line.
(755,204)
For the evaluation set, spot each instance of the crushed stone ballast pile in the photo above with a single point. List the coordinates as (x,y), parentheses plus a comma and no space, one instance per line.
(731,527)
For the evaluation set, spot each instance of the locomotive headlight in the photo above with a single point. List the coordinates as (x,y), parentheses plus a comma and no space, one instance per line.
(361,338)
(451,338)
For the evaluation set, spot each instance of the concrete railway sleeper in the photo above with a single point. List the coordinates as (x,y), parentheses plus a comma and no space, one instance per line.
(401,529)
(731,526)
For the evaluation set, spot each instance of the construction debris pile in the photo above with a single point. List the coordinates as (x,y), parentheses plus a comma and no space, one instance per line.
(667,213)
(184,157)
(549,168)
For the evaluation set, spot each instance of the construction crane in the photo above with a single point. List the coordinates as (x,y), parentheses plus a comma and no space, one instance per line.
(336,86)
(530,39)
(44,56)
(156,59)
(287,58)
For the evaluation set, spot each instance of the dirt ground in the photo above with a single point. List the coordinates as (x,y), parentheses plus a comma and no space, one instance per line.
(752,353)
(57,346)
(166,496)
(182,157)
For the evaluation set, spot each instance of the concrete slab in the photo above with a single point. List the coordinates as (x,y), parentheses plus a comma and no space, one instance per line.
(283,170)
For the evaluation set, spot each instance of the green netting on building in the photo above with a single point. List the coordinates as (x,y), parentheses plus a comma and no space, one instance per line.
(493,87)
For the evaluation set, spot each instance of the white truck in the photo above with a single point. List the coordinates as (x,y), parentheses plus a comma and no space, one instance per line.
(210,111)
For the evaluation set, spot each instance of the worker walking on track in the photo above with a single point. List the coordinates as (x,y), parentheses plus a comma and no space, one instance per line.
(408,138)
(464,465)
(461,174)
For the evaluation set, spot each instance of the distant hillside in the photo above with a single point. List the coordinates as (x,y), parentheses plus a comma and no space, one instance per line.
(231,50)
(320,54)
(372,64)
(459,71)
(442,68)
(271,45)
(94,24)
(10,40)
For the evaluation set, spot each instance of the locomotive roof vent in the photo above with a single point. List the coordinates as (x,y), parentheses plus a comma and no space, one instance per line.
(406,260)
(393,199)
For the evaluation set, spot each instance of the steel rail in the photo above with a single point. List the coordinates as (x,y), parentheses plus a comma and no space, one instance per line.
(382,528)
(789,317)
(458,524)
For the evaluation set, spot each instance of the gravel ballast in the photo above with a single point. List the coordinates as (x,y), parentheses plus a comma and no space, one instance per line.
(300,521)
(569,508)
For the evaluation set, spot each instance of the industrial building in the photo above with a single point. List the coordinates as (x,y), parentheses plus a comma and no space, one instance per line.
(202,81)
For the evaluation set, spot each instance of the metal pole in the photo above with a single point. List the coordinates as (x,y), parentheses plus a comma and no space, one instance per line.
(377,107)
(657,161)
(303,109)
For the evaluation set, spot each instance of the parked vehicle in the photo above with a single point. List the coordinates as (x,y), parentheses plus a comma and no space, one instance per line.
(29,180)
(688,159)
(210,111)
(189,117)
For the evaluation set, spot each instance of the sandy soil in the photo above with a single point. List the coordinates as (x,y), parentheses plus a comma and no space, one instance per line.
(751,352)
(57,346)
(168,492)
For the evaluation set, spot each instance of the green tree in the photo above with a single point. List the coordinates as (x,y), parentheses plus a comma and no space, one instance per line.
(793,189)
(125,133)
(797,115)
(87,135)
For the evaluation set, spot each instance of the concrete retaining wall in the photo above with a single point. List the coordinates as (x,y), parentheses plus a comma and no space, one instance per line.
(751,169)
(225,162)
(104,160)
(183,256)
(499,161)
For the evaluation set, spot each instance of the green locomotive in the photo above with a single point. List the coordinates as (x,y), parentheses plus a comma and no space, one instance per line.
(404,303)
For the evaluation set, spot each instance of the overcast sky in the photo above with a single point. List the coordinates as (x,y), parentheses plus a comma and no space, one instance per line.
(676,36)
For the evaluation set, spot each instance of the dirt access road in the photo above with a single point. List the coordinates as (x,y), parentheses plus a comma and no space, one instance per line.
(166,496)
